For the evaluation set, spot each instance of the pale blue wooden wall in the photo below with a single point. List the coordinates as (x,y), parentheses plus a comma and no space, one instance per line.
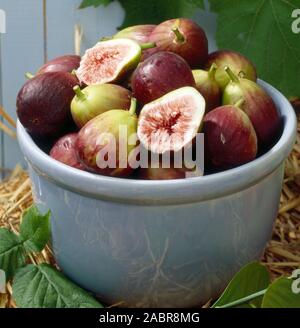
(41,29)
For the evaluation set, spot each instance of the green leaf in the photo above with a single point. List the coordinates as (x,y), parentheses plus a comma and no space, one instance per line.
(12,253)
(43,286)
(251,279)
(35,229)
(262,30)
(94,3)
(281,295)
(156,11)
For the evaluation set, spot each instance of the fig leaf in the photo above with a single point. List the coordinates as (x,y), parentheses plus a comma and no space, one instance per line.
(250,280)
(151,12)
(94,3)
(283,293)
(42,286)
(12,253)
(35,229)
(263,31)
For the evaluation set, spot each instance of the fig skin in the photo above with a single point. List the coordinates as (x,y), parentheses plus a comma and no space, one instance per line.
(64,151)
(183,37)
(97,99)
(138,33)
(160,74)
(207,85)
(230,139)
(236,61)
(88,144)
(66,64)
(43,103)
(258,105)
(161,173)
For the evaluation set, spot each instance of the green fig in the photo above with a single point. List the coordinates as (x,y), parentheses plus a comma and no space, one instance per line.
(138,33)
(97,99)
(207,85)
(109,61)
(236,61)
(102,146)
(258,105)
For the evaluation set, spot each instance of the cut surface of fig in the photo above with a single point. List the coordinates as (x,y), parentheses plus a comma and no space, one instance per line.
(171,122)
(108,61)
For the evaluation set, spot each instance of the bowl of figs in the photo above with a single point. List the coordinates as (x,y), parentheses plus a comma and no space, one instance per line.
(162,163)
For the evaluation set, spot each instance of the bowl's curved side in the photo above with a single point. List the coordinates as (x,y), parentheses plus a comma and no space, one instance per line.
(164,256)
(168,191)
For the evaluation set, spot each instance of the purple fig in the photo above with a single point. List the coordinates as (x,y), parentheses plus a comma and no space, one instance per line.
(183,37)
(230,139)
(43,103)
(64,151)
(159,74)
(258,105)
(66,63)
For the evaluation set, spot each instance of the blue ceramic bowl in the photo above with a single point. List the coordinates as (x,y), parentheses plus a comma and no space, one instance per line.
(172,243)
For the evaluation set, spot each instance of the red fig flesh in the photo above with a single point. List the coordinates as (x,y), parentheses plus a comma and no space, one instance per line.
(183,37)
(43,103)
(61,64)
(159,74)
(64,151)
(258,105)
(230,139)
(171,122)
(236,61)
(109,61)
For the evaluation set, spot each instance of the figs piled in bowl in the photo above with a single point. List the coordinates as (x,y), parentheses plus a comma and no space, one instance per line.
(148,103)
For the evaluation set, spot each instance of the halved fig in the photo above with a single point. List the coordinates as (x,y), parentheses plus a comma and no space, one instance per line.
(109,61)
(171,122)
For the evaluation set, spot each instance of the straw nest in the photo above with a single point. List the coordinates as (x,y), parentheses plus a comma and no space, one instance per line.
(282,254)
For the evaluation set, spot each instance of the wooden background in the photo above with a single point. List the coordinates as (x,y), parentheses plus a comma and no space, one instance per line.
(37,30)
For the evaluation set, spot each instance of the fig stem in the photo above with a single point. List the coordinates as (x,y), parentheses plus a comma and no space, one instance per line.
(212,71)
(132,108)
(29,76)
(232,76)
(179,36)
(79,92)
(148,45)
(106,38)
(240,103)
